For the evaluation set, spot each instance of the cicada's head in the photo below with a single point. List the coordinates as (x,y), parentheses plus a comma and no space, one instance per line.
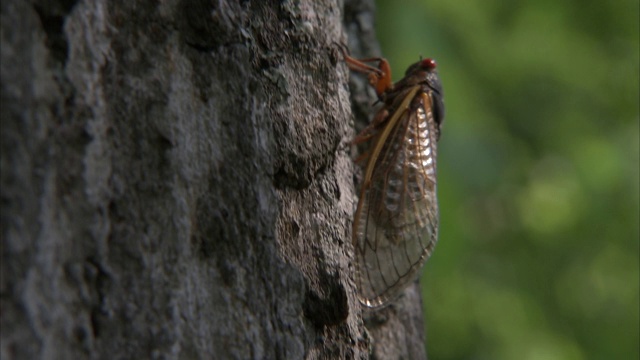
(428,64)
(424,65)
(423,72)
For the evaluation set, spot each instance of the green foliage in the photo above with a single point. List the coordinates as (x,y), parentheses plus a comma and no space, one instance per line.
(538,175)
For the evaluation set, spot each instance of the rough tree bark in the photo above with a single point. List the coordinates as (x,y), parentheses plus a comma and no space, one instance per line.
(177,182)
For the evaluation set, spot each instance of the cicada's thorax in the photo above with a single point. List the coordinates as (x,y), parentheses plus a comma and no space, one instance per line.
(429,84)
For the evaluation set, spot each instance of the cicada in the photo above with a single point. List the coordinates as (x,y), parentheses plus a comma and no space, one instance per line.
(395,225)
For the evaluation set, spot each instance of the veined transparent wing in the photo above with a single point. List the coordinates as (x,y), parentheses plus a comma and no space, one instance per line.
(396,223)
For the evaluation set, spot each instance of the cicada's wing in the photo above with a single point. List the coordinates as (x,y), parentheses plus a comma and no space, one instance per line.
(396,223)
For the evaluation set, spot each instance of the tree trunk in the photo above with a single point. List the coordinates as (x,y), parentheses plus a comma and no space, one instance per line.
(177,182)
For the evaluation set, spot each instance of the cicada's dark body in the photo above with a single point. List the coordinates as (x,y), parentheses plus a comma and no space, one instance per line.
(396,222)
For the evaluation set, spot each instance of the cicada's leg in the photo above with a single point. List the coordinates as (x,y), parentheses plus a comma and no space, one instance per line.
(379,78)
(362,158)
(372,129)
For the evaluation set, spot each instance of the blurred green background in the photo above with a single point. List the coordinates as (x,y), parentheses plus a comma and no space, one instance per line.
(537,175)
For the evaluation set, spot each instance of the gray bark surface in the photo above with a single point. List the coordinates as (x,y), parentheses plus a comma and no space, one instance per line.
(177,183)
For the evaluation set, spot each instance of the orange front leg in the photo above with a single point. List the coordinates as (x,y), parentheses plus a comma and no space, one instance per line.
(379,78)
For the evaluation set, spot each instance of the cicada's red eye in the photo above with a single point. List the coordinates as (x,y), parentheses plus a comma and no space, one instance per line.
(428,64)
